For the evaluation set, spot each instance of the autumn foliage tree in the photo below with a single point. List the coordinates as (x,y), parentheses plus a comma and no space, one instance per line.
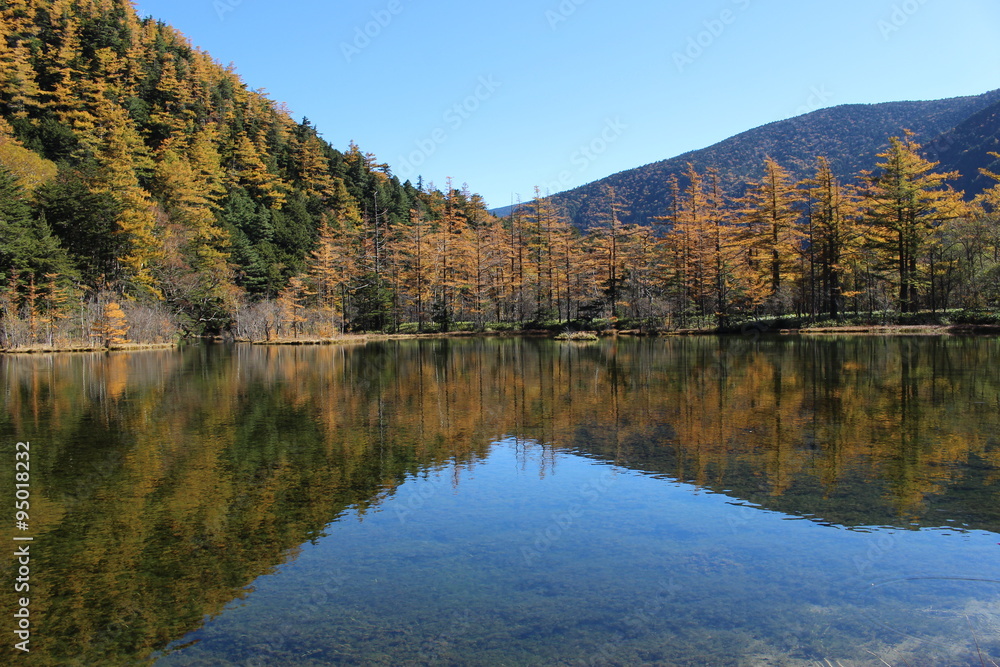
(771,233)
(906,201)
(835,234)
(111,326)
(136,169)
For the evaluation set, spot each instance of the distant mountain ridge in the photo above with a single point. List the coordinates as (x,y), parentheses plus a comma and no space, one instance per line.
(959,132)
(966,148)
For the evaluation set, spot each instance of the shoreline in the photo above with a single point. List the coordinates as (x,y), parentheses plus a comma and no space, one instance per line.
(128,347)
(379,337)
(854,330)
(908,330)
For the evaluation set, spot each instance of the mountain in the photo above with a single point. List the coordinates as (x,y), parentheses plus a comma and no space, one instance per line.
(133,163)
(960,130)
(966,148)
(146,193)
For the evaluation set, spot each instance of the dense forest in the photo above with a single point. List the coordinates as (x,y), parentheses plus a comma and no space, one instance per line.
(146,193)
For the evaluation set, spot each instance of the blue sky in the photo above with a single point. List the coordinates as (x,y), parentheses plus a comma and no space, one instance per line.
(557,93)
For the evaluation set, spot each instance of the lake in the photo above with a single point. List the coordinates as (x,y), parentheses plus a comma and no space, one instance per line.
(683,501)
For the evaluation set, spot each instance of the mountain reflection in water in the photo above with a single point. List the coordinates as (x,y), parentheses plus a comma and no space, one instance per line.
(164,484)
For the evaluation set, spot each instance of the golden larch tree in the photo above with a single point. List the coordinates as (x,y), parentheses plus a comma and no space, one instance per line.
(771,234)
(905,201)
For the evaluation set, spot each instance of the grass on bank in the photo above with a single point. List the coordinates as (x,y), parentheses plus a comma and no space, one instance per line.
(884,322)
(122,347)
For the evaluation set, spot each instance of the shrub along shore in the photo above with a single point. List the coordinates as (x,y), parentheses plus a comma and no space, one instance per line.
(884,324)
(124,347)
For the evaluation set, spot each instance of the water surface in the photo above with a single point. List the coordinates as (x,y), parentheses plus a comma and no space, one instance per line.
(517,502)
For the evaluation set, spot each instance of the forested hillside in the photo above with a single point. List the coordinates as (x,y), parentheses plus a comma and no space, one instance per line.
(147,194)
(849,136)
(970,147)
(139,169)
